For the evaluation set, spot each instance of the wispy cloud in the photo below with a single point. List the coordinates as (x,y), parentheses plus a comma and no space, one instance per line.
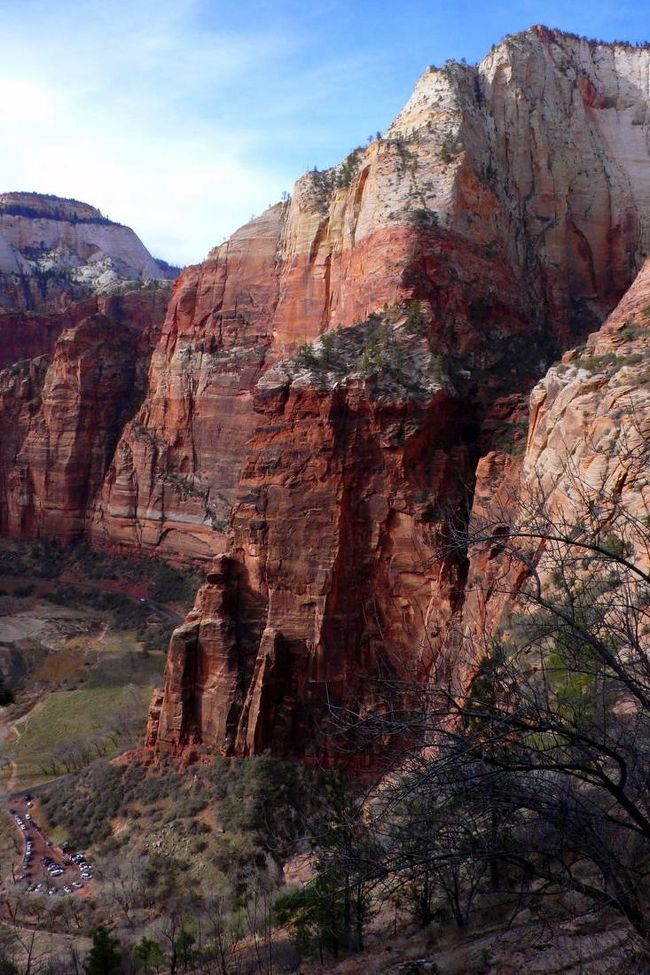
(120,104)
(181,117)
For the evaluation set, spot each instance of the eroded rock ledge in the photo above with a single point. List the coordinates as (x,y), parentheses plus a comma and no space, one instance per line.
(328,386)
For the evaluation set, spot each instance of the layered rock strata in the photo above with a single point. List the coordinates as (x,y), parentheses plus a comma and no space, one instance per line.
(501,217)
(326,385)
(510,200)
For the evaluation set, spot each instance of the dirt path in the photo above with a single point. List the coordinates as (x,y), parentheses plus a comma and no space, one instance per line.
(10,731)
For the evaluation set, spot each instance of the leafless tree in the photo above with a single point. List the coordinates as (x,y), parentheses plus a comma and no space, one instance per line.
(528,756)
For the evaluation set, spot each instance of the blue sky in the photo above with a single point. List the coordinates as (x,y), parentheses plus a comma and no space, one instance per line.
(181,118)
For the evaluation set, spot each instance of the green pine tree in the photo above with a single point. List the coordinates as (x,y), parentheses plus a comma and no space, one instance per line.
(105,957)
(150,954)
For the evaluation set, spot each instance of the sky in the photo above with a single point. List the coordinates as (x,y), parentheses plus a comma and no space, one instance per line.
(182,118)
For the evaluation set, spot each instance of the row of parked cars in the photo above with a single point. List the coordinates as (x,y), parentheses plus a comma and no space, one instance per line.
(55,868)
(85,869)
(22,823)
(42,888)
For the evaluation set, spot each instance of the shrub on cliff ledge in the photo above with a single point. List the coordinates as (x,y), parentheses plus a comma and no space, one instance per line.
(389,348)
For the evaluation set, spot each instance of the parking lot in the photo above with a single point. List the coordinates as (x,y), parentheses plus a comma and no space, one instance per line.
(44,867)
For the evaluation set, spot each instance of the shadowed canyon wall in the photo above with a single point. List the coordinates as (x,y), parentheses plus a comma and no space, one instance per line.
(328,384)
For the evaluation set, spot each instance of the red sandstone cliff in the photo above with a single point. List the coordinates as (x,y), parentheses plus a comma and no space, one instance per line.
(81,305)
(495,223)
(507,199)
(501,216)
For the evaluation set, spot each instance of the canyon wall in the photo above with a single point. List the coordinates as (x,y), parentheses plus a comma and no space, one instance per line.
(513,255)
(56,256)
(328,386)
(501,217)
(81,305)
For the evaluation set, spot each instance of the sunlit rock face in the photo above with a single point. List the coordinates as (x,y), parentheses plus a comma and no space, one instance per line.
(511,202)
(584,467)
(437,272)
(57,257)
(54,251)
(590,420)
(499,198)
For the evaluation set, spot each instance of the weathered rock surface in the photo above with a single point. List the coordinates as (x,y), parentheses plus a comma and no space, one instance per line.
(435,275)
(81,304)
(20,391)
(323,592)
(590,415)
(586,462)
(53,249)
(60,418)
(56,256)
(505,212)
(512,255)
(176,469)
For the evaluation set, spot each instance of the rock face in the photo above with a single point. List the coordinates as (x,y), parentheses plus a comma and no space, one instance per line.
(76,334)
(61,417)
(501,217)
(54,254)
(590,420)
(499,199)
(321,593)
(585,464)
(52,248)
(338,384)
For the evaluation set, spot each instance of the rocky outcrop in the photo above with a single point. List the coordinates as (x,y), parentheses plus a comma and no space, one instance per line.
(60,418)
(86,304)
(63,459)
(56,257)
(20,391)
(54,250)
(171,487)
(590,415)
(499,219)
(585,468)
(327,386)
(323,594)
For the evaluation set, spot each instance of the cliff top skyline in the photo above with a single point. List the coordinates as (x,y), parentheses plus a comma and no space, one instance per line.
(179,119)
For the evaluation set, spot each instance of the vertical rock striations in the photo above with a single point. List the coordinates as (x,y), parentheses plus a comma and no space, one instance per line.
(61,417)
(498,220)
(327,386)
(83,299)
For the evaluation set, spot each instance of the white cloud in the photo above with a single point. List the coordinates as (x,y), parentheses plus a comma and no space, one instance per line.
(177,117)
(114,109)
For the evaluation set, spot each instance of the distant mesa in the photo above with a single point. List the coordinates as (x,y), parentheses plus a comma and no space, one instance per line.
(45,206)
(63,250)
